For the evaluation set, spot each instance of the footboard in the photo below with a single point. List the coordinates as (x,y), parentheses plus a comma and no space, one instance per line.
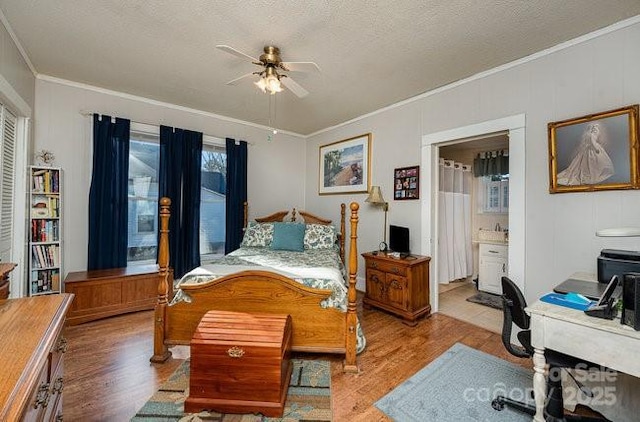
(314,329)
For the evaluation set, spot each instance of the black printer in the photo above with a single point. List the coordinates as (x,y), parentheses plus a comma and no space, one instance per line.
(617,262)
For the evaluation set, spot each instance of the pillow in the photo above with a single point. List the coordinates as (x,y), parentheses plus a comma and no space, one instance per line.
(319,236)
(258,234)
(288,237)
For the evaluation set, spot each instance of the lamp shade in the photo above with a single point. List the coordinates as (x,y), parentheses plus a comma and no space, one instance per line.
(375,196)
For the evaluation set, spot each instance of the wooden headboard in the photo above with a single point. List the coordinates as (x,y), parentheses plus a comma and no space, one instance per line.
(308,218)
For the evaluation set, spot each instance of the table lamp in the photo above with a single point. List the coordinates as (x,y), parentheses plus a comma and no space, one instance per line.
(375,198)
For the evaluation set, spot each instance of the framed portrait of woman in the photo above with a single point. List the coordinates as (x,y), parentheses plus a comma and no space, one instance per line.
(594,152)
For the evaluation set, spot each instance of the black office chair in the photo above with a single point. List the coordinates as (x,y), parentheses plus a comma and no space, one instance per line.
(514,305)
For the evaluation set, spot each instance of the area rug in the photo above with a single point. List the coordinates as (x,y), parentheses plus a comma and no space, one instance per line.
(458,387)
(308,398)
(486,299)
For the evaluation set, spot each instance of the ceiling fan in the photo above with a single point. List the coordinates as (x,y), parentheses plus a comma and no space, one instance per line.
(271,75)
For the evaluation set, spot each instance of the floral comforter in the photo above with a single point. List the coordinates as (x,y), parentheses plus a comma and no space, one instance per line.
(316,268)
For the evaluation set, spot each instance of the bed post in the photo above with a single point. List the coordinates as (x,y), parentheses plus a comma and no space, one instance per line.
(350,362)
(160,350)
(342,230)
(245,216)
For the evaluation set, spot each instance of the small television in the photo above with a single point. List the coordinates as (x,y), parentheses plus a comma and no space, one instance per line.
(399,239)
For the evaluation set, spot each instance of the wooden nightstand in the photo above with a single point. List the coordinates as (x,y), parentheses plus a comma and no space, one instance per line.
(398,285)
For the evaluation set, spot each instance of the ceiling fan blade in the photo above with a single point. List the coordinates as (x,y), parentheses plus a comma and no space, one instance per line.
(237,53)
(294,87)
(236,80)
(300,66)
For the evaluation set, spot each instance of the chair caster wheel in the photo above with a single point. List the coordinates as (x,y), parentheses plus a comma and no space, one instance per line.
(497,404)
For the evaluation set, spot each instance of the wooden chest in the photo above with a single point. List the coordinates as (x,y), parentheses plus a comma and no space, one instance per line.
(240,363)
(104,293)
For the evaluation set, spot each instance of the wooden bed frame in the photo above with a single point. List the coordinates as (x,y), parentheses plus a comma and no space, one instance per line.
(315,329)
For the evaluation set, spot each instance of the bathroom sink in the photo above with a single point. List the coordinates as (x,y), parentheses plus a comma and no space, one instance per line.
(492,236)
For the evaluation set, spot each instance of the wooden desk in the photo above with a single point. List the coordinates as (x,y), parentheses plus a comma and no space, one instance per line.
(566,330)
(31,379)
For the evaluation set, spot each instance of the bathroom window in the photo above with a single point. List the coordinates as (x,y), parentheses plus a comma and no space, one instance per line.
(495,194)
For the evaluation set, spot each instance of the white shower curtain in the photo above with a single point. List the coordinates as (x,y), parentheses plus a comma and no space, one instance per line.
(454,221)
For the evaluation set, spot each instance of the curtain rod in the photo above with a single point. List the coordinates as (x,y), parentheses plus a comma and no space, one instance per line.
(90,113)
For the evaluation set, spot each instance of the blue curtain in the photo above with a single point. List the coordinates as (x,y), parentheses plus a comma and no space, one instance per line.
(108,195)
(236,193)
(180,180)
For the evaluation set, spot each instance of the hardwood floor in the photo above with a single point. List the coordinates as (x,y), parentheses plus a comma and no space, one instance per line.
(108,376)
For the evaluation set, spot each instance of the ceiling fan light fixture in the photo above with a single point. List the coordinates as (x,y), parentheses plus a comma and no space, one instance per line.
(273,84)
(262,84)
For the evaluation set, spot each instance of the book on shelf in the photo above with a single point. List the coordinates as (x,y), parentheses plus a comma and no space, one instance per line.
(45,256)
(45,231)
(45,180)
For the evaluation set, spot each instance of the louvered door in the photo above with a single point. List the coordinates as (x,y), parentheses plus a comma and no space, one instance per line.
(7,174)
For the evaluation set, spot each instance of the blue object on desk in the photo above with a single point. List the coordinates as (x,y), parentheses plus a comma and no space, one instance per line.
(569,300)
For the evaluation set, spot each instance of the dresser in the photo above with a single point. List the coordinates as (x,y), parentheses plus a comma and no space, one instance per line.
(31,357)
(5,269)
(398,285)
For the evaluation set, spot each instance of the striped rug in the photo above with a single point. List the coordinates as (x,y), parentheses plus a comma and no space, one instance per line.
(308,398)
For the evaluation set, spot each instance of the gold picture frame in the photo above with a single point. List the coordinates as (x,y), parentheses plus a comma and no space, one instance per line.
(594,152)
(345,166)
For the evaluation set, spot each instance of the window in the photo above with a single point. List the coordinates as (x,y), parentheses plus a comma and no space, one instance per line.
(495,194)
(144,160)
(213,201)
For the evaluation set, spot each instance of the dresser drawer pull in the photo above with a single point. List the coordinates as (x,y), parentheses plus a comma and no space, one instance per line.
(62,345)
(235,352)
(58,385)
(42,396)
(492,251)
(374,265)
(395,270)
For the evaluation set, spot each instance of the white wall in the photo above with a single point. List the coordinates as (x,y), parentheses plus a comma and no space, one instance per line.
(597,74)
(396,143)
(14,70)
(276,175)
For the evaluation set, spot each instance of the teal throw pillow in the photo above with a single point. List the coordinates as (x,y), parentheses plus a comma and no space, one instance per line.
(288,237)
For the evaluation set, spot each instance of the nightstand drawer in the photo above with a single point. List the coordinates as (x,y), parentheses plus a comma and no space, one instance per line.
(387,267)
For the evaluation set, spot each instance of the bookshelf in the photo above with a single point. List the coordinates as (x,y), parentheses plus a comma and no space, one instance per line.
(45,230)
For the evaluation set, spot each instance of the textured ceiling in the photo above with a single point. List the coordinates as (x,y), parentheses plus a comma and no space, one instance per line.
(372,53)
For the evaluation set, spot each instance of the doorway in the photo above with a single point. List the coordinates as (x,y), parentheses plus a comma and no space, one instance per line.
(514,127)
(472,227)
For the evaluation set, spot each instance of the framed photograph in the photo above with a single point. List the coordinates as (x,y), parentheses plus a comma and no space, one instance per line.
(345,166)
(594,152)
(406,183)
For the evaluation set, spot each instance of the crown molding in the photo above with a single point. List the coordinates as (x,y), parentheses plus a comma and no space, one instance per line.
(150,101)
